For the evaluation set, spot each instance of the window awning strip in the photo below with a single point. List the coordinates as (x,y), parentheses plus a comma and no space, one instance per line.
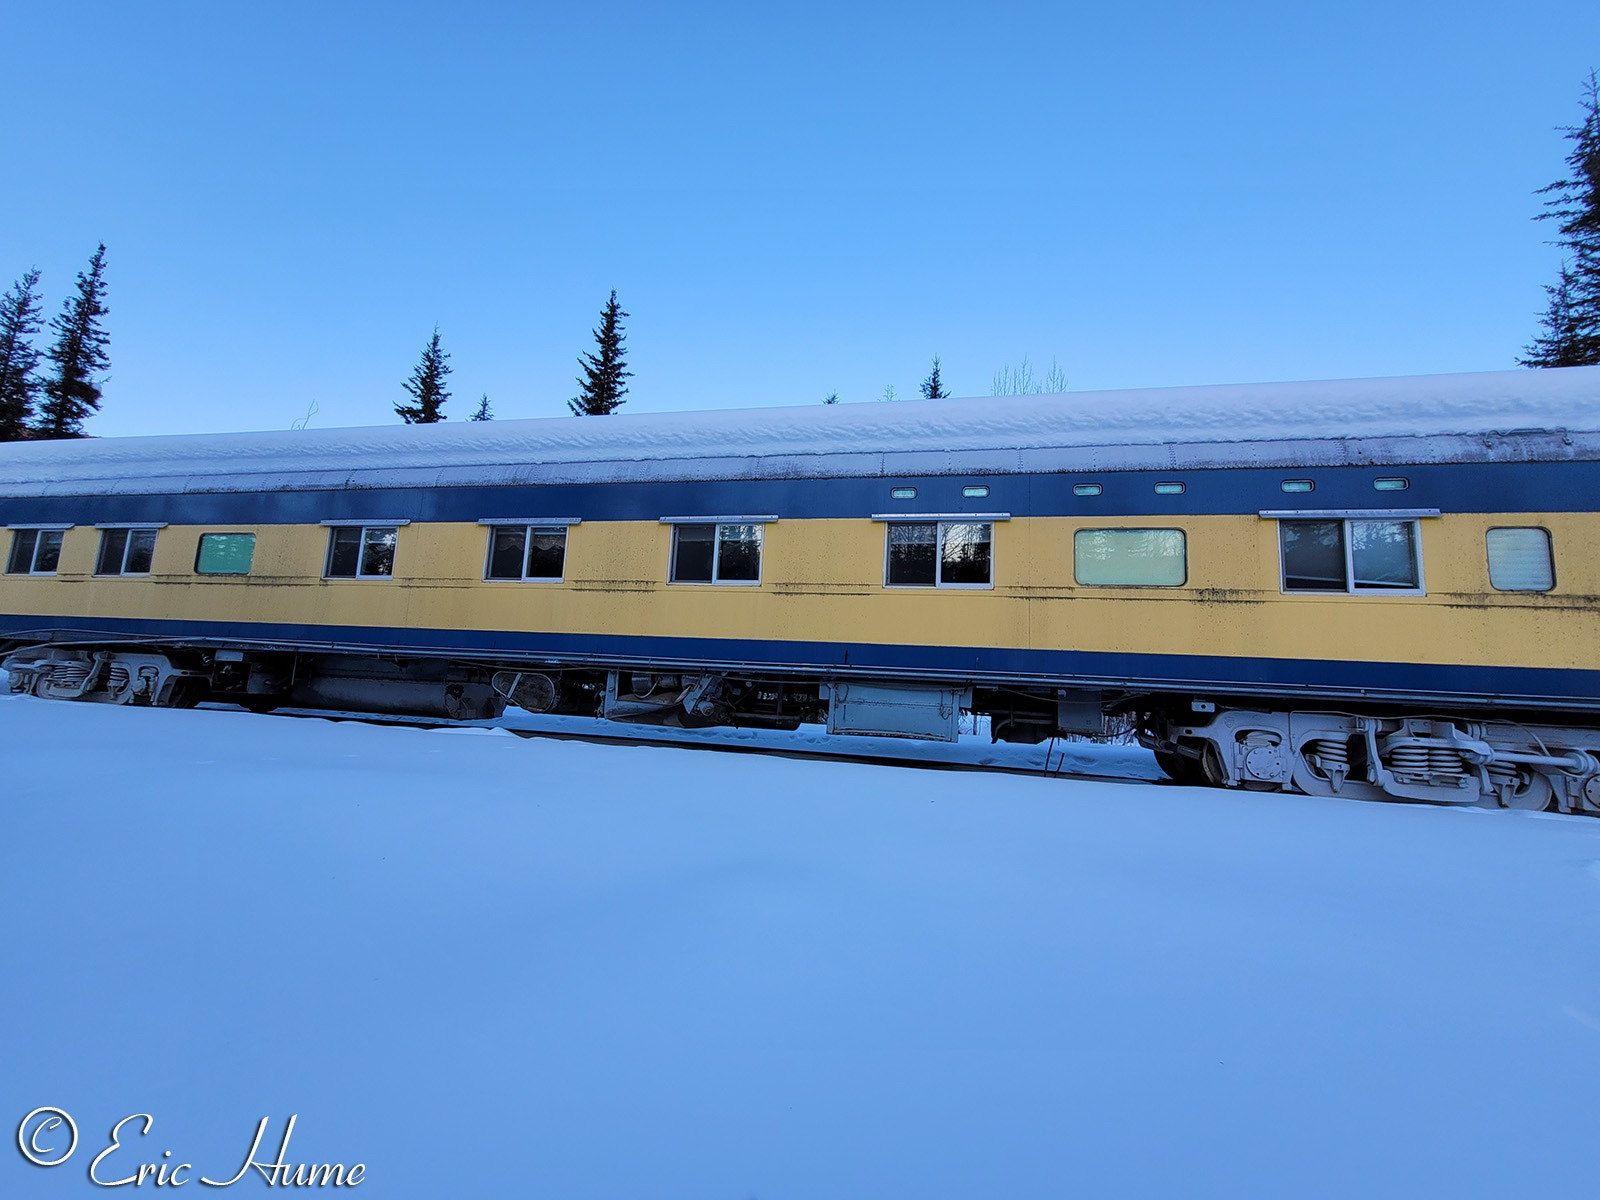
(1339,514)
(941,516)
(763,520)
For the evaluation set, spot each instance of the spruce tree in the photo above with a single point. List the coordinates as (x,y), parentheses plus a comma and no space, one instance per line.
(1571,324)
(426,386)
(78,359)
(1561,342)
(601,386)
(19,387)
(482,412)
(933,386)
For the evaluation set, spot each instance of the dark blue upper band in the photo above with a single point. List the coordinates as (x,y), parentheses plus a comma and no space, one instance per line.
(1452,487)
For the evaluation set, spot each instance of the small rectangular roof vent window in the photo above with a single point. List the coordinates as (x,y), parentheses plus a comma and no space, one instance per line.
(976,492)
(1169,489)
(903,493)
(1298,485)
(1394,483)
(1086,489)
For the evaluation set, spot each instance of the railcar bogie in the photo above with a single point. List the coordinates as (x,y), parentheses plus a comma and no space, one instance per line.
(1432,759)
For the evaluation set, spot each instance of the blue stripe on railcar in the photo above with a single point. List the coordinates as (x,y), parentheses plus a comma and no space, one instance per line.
(1544,687)
(1452,487)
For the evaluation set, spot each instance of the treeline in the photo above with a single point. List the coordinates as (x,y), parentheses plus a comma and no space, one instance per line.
(53,402)
(601,386)
(1008,381)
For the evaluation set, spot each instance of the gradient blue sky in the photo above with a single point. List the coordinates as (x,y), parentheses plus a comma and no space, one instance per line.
(789,200)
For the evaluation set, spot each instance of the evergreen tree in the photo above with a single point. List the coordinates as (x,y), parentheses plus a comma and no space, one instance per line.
(482,412)
(1571,335)
(933,386)
(426,386)
(78,358)
(831,398)
(1561,342)
(601,386)
(19,321)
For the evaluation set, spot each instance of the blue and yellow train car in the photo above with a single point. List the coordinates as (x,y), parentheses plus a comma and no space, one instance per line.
(1370,588)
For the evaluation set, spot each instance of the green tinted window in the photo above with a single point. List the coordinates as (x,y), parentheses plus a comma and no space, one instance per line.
(1130,557)
(225,553)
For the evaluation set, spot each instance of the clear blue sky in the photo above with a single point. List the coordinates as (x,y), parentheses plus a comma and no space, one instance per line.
(789,199)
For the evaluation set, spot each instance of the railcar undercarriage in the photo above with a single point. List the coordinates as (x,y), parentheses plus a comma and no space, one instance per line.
(1432,758)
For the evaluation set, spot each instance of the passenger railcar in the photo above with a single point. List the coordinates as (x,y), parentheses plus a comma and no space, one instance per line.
(1371,588)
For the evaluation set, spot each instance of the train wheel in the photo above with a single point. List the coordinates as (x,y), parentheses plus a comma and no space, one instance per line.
(1526,790)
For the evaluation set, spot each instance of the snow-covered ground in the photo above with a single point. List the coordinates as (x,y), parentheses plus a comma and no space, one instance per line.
(485,966)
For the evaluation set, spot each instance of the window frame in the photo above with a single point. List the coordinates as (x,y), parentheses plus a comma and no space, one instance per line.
(717,524)
(940,521)
(1183,535)
(33,558)
(127,529)
(1346,521)
(1550,557)
(334,528)
(199,549)
(527,525)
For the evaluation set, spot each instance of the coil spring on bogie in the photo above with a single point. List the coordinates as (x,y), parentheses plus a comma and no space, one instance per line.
(119,679)
(1426,760)
(1412,760)
(68,673)
(1332,754)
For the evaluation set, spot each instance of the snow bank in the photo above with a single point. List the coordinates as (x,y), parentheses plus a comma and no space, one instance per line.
(490,966)
(812,440)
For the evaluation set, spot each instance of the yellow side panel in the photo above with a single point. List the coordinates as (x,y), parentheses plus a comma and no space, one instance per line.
(823,582)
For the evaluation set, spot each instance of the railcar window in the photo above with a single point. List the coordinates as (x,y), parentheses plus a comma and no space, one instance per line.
(1350,555)
(951,554)
(224,553)
(1086,489)
(975,492)
(1393,483)
(903,493)
(1130,557)
(1520,560)
(361,551)
(34,552)
(1169,489)
(125,551)
(537,553)
(716,553)
(1298,485)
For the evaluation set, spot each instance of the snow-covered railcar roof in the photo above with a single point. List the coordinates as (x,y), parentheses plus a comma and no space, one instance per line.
(1433,418)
